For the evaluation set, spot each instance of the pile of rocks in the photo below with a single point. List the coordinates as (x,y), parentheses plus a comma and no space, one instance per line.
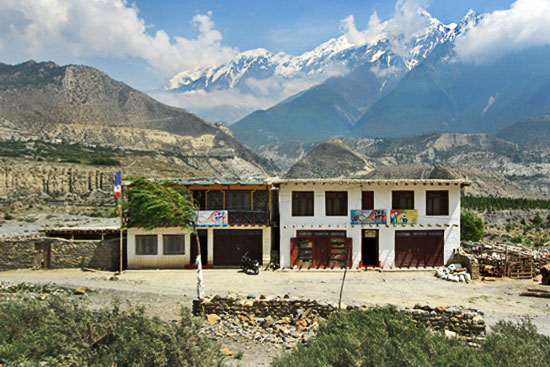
(289,321)
(457,320)
(285,331)
(37,291)
(455,273)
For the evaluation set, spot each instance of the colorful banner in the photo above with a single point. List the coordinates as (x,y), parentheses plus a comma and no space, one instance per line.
(212,218)
(375,216)
(403,216)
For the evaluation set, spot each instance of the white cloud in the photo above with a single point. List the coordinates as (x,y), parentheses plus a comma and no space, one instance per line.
(65,30)
(405,24)
(525,24)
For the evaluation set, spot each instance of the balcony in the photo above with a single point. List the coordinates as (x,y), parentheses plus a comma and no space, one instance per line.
(248,217)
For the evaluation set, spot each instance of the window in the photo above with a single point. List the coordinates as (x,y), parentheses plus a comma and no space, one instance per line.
(437,203)
(336,203)
(199,197)
(173,244)
(146,245)
(302,203)
(367,200)
(402,200)
(238,200)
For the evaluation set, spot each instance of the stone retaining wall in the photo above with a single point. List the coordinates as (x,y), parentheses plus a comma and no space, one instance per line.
(462,321)
(32,252)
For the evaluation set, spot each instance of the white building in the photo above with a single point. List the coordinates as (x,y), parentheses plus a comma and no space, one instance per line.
(381,223)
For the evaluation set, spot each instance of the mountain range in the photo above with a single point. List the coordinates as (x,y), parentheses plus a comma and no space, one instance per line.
(387,86)
(495,166)
(76,104)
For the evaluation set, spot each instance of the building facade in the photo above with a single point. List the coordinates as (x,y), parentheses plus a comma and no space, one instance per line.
(234,218)
(327,223)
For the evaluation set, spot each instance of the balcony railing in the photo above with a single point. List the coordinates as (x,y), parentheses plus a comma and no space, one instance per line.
(248,217)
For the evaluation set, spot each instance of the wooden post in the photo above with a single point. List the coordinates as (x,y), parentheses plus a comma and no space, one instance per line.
(198,262)
(506,262)
(349,250)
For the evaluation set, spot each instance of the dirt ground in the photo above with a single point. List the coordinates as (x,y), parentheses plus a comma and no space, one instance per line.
(163,292)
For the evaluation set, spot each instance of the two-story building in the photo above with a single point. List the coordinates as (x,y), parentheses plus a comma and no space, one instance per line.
(234,218)
(325,223)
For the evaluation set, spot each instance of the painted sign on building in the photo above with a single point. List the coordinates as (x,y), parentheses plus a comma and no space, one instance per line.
(403,216)
(212,218)
(375,216)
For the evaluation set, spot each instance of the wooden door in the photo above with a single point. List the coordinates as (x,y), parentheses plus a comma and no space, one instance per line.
(321,252)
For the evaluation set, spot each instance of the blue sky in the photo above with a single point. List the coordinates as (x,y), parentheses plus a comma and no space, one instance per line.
(145,42)
(290,26)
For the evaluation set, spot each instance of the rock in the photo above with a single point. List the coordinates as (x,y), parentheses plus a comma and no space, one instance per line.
(450,334)
(114,278)
(227,352)
(81,290)
(213,319)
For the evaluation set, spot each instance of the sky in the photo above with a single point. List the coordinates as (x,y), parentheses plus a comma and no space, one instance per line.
(145,42)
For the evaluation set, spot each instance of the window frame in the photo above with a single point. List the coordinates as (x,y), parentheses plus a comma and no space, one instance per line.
(343,204)
(297,203)
(244,197)
(138,245)
(395,194)
(164,249)
(370,196)
(443,196)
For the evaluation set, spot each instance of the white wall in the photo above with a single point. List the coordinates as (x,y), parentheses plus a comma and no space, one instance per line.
(289,225)
(159,260)
(179,261)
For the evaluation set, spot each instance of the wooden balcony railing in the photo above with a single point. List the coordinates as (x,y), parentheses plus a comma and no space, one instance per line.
(248,217)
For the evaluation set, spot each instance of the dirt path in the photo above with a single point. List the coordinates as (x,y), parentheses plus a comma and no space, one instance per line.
(163,292)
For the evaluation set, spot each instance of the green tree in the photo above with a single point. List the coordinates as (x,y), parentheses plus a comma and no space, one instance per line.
(151,205)
(537,221)
(471,227)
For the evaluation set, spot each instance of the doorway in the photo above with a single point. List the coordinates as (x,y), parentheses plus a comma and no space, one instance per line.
(203,238)
(369,247)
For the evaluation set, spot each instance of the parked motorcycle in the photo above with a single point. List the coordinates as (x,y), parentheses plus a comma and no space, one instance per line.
(249,265)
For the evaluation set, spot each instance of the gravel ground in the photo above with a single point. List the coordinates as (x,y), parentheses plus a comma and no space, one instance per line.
(163,292)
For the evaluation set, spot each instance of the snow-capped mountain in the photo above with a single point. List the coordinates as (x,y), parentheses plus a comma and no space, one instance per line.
(336,56)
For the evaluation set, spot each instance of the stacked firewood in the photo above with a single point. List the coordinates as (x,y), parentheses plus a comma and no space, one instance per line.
(545,272)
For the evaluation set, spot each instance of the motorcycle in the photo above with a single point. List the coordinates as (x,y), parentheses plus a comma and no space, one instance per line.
(249,264)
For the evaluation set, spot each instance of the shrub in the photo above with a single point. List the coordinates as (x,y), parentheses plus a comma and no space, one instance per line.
(518,238)
(471,227)
(59,332)
(387,337)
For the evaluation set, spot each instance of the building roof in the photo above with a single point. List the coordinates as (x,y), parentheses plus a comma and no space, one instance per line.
(340,181)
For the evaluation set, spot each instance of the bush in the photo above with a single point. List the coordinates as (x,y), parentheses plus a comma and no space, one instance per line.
(59,332)
(471,227)
(387,337)
(518,238)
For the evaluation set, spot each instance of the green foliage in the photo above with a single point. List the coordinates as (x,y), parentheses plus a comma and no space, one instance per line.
(152,205)
(64,153)
(471,227)
(537,220)
(518,238)
(8,216)
(498,203)
(58,332)
(384,336)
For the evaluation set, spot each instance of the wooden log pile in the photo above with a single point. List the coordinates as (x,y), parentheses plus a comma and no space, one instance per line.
(545,272)
(536,292)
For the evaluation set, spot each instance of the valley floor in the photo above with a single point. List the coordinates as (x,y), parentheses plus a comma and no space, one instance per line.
(163,292)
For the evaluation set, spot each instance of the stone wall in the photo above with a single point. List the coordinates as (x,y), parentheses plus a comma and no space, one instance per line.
(55,253)
(462,321)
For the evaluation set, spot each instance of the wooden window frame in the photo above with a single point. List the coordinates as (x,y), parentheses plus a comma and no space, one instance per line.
(329,208)
(443,196)
(146,253)
(298,202)
(230,193)
(396,199)
(164,248)
(367,204)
